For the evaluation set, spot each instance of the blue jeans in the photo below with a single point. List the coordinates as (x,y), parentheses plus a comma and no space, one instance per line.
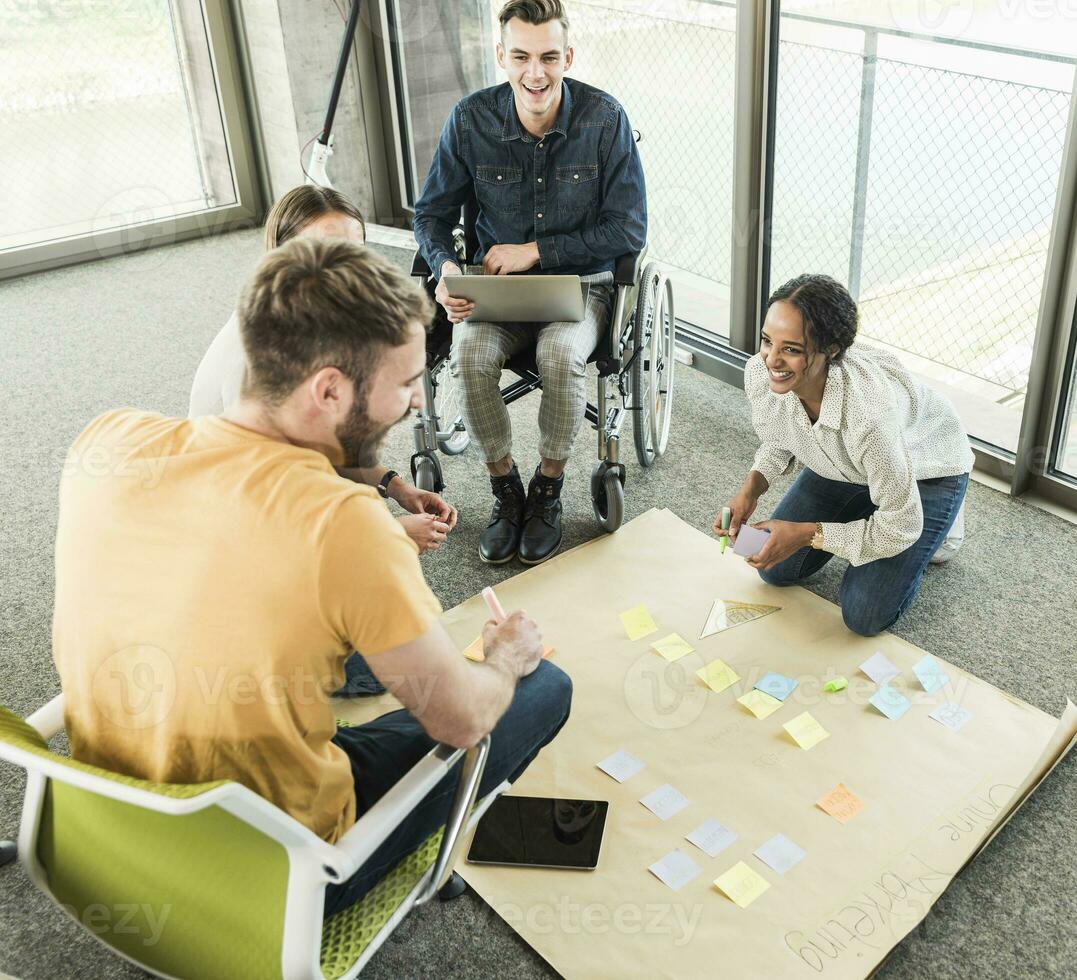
(873,596)
(383,750)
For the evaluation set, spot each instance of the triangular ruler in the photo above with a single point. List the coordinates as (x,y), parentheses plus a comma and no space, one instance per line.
(725,614)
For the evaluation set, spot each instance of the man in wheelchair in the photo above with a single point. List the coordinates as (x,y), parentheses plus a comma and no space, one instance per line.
(553,165)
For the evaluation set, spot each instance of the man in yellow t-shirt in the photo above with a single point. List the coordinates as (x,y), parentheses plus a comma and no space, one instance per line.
(213,574)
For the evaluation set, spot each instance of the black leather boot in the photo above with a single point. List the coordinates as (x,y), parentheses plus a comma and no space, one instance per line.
(542,518)
(500,541)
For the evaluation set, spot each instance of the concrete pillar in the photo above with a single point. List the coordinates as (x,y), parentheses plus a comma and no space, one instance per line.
(292,50)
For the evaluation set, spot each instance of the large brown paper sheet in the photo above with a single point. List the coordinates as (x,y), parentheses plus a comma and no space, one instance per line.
(932,797)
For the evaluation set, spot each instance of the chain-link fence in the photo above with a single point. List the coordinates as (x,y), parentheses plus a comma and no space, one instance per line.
(102,117)
(931,192)
(674,75)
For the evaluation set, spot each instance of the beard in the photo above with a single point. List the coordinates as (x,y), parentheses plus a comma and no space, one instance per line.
(361,438)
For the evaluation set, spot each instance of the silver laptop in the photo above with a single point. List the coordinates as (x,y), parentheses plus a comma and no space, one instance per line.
(513,299)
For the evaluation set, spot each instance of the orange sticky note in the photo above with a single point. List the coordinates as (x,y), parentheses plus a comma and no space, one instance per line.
(475,651)
(840,803)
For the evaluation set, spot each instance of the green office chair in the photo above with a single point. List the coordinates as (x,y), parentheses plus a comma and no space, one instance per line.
(212,880)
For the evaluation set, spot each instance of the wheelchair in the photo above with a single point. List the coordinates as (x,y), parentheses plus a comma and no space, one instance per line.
(634,360)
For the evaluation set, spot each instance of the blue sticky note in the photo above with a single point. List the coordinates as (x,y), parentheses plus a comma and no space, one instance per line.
(776,685)
(953,716)
(930,674)
(891,702)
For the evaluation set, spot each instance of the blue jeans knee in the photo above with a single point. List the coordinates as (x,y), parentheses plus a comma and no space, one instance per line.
(865,618)
(551,685)
(776,576)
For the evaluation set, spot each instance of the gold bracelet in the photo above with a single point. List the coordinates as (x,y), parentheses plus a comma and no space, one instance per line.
(817,537)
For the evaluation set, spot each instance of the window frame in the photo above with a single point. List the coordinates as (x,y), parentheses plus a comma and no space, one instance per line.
(1051,383)
(225,56)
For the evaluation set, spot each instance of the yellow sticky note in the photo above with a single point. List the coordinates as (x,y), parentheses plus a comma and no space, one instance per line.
(759,704)
(717,675)
(841,803)
(805,730)
(672,647)
(742,884)
(638,623)
(477,652)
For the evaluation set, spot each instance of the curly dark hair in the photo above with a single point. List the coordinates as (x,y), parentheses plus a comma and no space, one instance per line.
(828,312)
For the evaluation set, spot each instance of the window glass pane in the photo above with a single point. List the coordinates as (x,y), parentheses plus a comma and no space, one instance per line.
(923,173)
(109,117)
(443,49)
(670,64)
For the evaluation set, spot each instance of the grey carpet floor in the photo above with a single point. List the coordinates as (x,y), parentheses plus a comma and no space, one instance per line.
(131,330)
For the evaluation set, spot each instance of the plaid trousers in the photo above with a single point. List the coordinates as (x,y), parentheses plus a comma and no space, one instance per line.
(479,353)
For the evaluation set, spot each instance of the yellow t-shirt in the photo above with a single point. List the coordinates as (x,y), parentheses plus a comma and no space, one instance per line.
(210,583)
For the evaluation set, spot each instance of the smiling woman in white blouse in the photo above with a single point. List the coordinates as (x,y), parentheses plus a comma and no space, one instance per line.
(885,460)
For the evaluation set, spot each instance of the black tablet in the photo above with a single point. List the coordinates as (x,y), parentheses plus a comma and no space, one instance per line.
(538,832)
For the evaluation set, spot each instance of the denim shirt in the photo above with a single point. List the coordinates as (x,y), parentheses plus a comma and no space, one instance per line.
(577,192)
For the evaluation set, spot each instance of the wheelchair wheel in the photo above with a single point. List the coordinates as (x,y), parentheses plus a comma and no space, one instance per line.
(652,370)
(608,495)
(426,472)
(453,438)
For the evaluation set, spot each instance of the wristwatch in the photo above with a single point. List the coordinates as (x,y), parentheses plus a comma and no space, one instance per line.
(817,537)
(383,483)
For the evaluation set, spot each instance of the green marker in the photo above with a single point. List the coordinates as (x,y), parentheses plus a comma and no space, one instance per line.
(837,684)
(727,516)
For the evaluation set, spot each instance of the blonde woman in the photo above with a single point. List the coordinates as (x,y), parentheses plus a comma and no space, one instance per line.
(323,213)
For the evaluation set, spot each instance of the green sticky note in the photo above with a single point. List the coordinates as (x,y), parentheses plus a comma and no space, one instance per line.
(837,684)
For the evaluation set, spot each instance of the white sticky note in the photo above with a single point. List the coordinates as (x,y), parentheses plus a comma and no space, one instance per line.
(665,801)
(879,669)
(930,674)
(780,853)
(621,765)
(953,716)
(675,870)
(712,837)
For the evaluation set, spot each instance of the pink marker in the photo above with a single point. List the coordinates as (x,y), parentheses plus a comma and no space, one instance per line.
(496,611)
